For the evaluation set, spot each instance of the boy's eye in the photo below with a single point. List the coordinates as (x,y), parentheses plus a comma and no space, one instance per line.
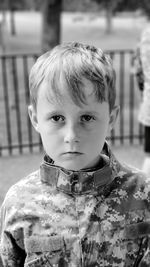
(87,118)
(57,118)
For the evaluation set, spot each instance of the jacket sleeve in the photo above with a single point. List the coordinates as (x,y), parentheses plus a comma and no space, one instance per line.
(144,260)
(144,229)
(11,254)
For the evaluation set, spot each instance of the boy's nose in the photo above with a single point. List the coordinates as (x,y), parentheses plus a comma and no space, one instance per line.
(71,135)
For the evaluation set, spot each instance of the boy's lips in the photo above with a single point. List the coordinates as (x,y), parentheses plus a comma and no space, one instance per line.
(72,153)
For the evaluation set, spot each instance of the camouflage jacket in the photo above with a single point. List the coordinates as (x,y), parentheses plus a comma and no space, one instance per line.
(92,218)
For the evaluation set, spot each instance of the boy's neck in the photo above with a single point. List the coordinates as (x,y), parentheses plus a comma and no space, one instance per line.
(99,163)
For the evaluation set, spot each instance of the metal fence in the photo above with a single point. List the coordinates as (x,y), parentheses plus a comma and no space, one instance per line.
(16,133)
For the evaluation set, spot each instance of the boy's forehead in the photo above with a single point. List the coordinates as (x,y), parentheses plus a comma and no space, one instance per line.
(51,101)
(64,102)
(88,88)
(62,92)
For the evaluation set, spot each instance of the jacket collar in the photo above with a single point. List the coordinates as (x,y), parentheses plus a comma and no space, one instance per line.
(84,181)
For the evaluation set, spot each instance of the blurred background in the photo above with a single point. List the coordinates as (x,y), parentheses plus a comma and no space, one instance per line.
(36,25)
(31,27)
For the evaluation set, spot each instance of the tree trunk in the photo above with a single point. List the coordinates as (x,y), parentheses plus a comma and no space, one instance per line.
(51,24)
(109,15)
(12,22)
(12,8)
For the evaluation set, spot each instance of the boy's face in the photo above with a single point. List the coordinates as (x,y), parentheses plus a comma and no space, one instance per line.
(72,136)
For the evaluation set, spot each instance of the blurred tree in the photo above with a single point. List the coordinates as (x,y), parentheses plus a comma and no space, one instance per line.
(80,5)
(128,5)
(12,5)
(133,5)
(2,24)
(145,6)
(51,10)
(3,8)
(51,13)
(109,6)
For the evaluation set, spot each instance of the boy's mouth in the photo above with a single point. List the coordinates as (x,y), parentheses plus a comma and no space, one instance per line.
(72,153)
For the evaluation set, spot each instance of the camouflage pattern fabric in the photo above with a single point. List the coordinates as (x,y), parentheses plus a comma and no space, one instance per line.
(91,218)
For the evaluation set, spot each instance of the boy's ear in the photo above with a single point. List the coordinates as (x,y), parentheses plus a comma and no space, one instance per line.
(113,116)
(33,117)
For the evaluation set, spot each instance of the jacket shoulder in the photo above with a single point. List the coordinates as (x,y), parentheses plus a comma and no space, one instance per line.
(135,183)
(22,189)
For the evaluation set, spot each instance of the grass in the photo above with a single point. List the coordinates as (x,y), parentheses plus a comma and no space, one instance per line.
(88,28)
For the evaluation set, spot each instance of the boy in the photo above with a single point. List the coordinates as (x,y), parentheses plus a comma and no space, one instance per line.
(82,207)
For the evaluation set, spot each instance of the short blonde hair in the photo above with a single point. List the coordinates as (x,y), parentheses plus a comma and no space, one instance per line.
(74,61)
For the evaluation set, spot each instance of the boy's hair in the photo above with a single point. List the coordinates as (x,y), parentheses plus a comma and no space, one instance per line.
(74,62)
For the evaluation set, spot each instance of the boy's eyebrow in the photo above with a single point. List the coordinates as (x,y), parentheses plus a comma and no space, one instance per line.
(54,112)
(90,112)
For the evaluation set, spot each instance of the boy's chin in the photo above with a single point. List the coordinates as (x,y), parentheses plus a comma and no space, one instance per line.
(70,166)
(78,166)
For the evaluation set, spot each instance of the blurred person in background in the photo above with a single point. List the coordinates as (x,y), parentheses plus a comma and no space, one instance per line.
(142,64)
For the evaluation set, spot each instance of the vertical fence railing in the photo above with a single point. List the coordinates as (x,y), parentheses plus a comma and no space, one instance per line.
(25,72)
(16,133)
(128,128)
(6,104)
(131,105)
(17,102)
(121,75)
